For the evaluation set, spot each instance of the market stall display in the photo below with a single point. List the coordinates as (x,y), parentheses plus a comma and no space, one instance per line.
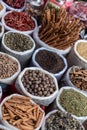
(43,65)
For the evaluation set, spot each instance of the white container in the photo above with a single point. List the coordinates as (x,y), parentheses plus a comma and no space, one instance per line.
(47,116)
(38,99)
(12,29)
(3,127)
(2,30)
(0,93)
(35,63)
(10,80)
(2,12)
(69,82)
(24,56)
(81,119)
(43,44)
(13,9)
(6,124)
(75,58)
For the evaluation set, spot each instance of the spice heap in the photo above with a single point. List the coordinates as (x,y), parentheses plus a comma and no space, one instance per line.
(18,42)
(1,7)
(50,61)
(8,66)
(19,21)
(74,102)
(82,49)
(38,83)
(20,112)
(59,30)
(17,4)
(78,77)
(62,121)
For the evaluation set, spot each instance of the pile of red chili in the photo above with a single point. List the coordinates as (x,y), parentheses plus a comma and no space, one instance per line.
(15,3)
(19,21)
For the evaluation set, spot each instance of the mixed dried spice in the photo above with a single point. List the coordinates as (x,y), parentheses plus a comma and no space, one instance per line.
(74,102)
(38,83)
(62,121)
(17,4)
(1,7)
(82,49)
(18,42)
(50,61)
(78,76)
(19,21)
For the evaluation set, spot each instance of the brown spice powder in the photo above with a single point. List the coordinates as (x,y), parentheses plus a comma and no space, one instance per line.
(82,50)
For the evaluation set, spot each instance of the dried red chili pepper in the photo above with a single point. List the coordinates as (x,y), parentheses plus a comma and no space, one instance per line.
(15,3)
(19,21)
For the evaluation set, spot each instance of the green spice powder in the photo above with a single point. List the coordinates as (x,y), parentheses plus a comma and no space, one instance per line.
(18,42)
(74,102)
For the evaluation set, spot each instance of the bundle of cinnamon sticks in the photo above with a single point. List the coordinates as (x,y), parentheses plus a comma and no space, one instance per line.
(59,29)
(20,112)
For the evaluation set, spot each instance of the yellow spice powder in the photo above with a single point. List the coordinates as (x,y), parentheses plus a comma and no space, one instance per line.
(82,50)
(1,7)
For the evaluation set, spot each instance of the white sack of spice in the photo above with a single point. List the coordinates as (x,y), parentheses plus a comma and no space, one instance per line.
(9,68)
(58,120)
(38,84)
(74,101)
(2,127)
(13,117)
(50,60)
(18,45)
(77,77)
(78,54)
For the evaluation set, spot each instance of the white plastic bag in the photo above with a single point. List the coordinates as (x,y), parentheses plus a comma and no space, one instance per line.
(13,9)
(3,127)
(12,29)
(24,56)
(9,126)
(2,30)
(2,12)
(74,57)
(57,75)
(80,119)
(43,44)
(10,80)
(45,101)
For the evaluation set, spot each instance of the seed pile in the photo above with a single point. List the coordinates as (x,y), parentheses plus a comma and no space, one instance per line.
(8,66)
(85,124)
(74,102)
(18,42)
(78,77)
(20,112)
(59,30)
(49,61)
(62,121)
(38,83)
